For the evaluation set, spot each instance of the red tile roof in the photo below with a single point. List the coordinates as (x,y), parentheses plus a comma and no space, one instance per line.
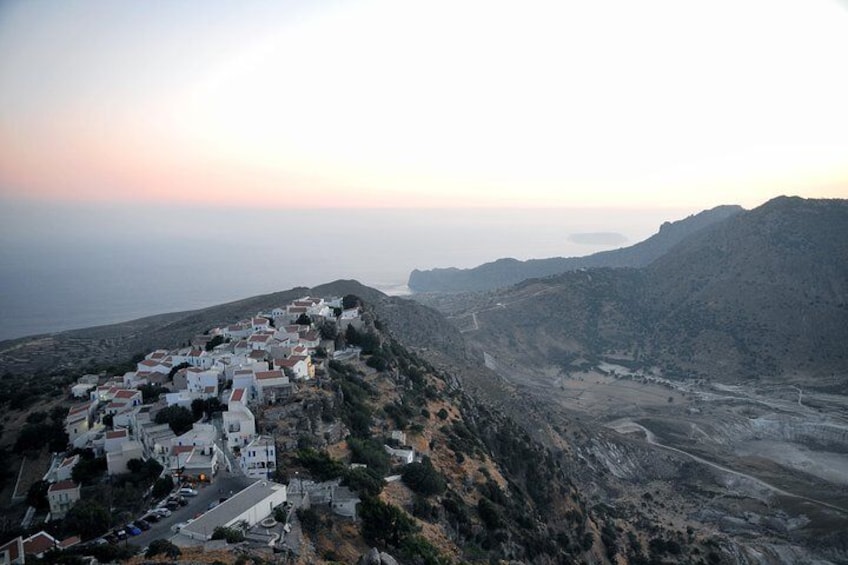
(79,408)
(39,543)
(262,375)
(69,460)
(237,395)
(68,542)
(116,434)
(14,547)
(127,393)
(62,485)
(289,362)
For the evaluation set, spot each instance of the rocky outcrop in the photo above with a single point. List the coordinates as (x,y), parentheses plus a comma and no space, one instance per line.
(377,557)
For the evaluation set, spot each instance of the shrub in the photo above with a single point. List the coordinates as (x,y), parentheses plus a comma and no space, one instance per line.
(309,519)
(423,478)
(231,535)
(162,547)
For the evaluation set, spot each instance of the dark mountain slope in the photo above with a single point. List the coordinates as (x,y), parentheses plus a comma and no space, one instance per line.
(505,272)
(764,293)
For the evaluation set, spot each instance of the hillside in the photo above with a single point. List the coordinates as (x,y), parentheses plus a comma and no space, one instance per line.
(111,345)
(506,272)
(761,295)
(711,382)
(484,489)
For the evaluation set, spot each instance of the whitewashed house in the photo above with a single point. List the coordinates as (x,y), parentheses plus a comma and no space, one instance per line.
(239,424)
(114,440)
(203,383)
(65,469)
(271,386)
(62,496)
(259,458)
(116,461)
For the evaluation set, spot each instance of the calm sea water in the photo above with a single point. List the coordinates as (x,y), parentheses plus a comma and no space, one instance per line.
(64,267)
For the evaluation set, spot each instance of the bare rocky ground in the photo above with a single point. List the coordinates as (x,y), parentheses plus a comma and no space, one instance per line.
(764,466)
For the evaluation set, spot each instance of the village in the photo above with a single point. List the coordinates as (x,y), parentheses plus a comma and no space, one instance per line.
(223,472)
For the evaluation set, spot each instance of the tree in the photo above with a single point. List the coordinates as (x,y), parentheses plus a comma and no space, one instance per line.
(36,417)
(423,478)
(151,392)
(385,524)
(88,517)
(162,547)
(371,453)
(179,418)
(328,330)
(214,342)
(281,514)
(232,535)
(320,464)
(88,471)
(162,487)
(198,407)
(350,301)
(303,320)
(33,437)
(309,519)
(175,369)
(37,495)
(364,481)
(489,513)
(135,465)
(207,406)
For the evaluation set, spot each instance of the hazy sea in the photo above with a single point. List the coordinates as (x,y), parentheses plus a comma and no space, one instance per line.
(74,266)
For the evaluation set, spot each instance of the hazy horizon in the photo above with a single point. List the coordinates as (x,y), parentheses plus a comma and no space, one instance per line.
(89,265)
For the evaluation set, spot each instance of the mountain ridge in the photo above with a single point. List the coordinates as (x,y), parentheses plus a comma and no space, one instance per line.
(764,293)
(507,271)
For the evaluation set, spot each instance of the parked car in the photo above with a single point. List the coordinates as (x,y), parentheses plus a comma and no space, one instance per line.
(132,530)
(162,511)
(178,499)
(177,527)
(142,524)
(152,517)
(172,505)
(121,535)
(187,491)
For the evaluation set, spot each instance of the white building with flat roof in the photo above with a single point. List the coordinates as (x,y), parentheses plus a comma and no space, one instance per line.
(251,505)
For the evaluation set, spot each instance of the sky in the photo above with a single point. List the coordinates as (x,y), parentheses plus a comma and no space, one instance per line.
(438,104)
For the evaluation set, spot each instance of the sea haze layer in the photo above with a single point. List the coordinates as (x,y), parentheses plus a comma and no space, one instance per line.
(73,266)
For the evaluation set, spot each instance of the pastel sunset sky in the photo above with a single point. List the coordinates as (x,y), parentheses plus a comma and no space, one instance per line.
(378,103)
